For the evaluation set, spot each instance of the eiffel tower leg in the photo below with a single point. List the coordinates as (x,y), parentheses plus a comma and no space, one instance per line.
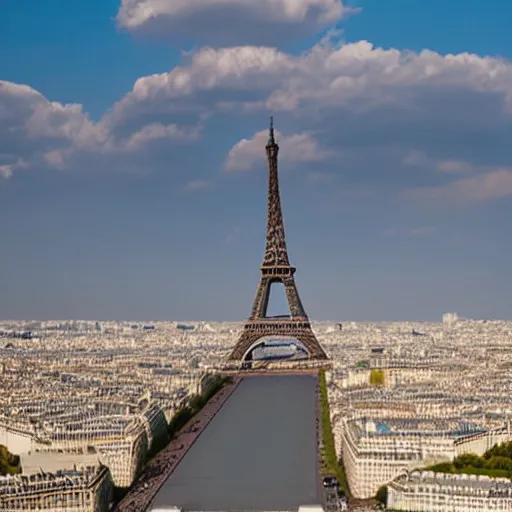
(315,350)
(260,305)
(294,302)
(246,341)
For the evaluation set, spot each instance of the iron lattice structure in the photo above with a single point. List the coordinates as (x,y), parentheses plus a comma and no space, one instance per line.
(276,268)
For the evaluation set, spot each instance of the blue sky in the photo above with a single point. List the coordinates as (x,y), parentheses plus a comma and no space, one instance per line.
(132,171)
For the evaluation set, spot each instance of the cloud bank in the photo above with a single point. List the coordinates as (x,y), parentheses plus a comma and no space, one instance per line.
(296,149)
(387,116)
(250,21)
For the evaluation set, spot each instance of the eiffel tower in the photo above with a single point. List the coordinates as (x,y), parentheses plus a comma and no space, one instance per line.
(276,268)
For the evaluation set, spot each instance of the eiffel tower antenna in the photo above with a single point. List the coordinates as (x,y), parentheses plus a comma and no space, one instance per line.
(276,268)
(271,139)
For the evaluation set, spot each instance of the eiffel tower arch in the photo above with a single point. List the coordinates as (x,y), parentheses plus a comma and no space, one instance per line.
(276,268)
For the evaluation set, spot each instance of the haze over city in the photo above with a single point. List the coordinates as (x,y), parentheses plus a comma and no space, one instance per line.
(134,180)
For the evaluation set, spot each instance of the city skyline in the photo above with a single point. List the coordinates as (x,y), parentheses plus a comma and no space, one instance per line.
(133,163)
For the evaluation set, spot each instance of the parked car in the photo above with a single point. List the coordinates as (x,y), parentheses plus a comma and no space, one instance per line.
(330,481)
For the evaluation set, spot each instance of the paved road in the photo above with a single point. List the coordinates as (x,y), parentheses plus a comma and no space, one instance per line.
(165,462)
(258,453)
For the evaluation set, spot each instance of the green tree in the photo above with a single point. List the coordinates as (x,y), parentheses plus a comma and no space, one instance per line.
(9,463)
(468,459)
(196,403)
(443,467)
(502,450)
(330,465)
(496,462)
(377,378)
(382,495)
(499,462)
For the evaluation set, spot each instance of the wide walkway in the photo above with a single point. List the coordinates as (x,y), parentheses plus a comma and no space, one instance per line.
(258,453)
(164,463)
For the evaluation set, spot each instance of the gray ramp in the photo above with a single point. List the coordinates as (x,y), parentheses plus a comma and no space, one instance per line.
(258,453)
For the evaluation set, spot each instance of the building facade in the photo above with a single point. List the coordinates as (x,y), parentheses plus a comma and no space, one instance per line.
(83,490)
(375,453)
(426,491)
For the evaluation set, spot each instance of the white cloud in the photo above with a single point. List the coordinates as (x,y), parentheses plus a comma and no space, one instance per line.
(158,131)
(453,166)
(295,149)
(50,119)
(196,185)
(368,106)
(133,13)
(6,170)
(229,21)
(415,159)
(356,79)
(419,159)
(362,76)
(33,129)
(484,184)
(36,131)
(479,189)
(243,68)
(55,159)
(23,109)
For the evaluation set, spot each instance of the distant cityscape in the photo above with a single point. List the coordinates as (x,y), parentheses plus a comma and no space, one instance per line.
(84,403)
